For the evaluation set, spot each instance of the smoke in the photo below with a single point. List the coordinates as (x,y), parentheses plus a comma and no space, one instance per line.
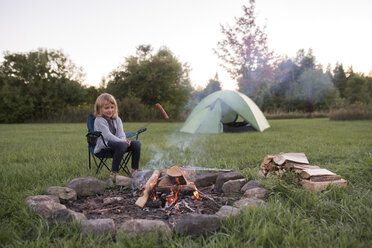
(179,149)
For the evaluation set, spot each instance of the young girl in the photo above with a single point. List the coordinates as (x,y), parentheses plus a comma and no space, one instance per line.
(109,123)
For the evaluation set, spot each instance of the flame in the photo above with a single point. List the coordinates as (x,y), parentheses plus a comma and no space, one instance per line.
(173,197)
(196,194)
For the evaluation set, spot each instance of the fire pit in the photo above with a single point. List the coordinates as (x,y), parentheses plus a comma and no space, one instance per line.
(165,196)
(176,199)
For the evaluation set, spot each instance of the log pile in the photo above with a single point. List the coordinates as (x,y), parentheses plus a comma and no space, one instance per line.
(312,177)
(166,182)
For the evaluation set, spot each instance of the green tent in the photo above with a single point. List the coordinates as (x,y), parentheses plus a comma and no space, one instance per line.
(221,110)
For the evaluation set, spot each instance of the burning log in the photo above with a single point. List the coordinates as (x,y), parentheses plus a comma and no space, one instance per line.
(141,201)
(176,175)
(184,189)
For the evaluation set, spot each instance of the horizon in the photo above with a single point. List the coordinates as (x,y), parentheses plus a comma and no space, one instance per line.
(97,36)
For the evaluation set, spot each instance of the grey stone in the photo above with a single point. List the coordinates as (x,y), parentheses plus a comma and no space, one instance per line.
(250,185)
(111,200)
(197,224)
(249,202)
(224,177)
(64,194)
(256,193)
(124,181)
(65,215)
(87,186)
(141,227)
(44,205)
(36,198)
(227,212)
(140,178)
(233,186)
(98,227)
(206,179)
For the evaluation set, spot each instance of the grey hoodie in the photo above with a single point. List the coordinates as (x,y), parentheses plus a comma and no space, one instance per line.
(101,125)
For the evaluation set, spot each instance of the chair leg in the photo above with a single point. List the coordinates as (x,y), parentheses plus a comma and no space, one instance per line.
(124,164)
(89,160)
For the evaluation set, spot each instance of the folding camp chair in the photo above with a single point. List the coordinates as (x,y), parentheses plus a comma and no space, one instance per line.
(101,158)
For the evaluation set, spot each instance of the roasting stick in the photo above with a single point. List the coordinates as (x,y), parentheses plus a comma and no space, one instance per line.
(141,201)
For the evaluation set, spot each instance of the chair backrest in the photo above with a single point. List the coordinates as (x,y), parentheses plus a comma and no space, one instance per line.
(90,123)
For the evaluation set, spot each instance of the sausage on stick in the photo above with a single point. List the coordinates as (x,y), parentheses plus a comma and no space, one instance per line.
(162,111)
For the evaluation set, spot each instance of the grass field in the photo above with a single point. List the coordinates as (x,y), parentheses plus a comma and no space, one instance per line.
(36,156)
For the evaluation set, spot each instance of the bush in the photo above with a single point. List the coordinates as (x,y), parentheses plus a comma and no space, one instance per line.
(131,109)
(69,114)
(356,111)
(295,115)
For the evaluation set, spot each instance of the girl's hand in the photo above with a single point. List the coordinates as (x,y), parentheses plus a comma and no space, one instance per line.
(127,141)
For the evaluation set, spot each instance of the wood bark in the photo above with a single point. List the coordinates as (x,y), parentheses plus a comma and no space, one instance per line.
(141,201)
(188,188)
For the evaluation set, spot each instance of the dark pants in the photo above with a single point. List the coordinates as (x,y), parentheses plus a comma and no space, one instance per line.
(120,148)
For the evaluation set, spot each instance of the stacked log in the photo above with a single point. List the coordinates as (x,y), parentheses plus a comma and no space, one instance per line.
(312,177)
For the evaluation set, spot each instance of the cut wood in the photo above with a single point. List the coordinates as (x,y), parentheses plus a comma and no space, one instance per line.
(189,188)
(204,169)
(307,173)
(174,171)
(266,161)
(294,157)
(165,181)
(317,186)
(141,201)
(324,178)
(291,165)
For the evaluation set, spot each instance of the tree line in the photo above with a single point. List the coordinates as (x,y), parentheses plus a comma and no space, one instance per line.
(285,84)
(45,85)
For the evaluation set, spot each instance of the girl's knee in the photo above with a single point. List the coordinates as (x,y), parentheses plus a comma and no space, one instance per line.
(122,147)
(135,144)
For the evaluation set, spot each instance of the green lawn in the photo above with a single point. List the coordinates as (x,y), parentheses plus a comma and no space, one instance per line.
(36,156)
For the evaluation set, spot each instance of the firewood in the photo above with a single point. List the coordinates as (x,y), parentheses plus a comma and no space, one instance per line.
(270,166)
(262,173)
(307,173)
(165,182)
(294,157)
(195,168)
(324,178)
(141,201)
(266,161)
(291,165)
(316,186)
(174,171)
(189,188)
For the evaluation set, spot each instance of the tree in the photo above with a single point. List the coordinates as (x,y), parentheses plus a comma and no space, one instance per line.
(212,86)
(158,78)
(313,87)
(339,79)
(46,80)
(245,54)
(357,89)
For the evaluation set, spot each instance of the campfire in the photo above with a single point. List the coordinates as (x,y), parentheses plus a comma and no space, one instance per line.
(171,191)
(186,200)
(165,195)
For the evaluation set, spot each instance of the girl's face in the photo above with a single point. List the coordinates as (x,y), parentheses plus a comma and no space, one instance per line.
(107,110)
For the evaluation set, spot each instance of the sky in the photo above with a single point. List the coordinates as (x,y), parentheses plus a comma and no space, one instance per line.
(98,35)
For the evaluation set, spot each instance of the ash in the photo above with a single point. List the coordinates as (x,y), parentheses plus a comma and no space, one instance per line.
(119,204)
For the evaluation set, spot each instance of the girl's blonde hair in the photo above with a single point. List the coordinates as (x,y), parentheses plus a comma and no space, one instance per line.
(102,100)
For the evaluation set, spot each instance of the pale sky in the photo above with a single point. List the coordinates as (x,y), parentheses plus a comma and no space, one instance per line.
(97,35)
